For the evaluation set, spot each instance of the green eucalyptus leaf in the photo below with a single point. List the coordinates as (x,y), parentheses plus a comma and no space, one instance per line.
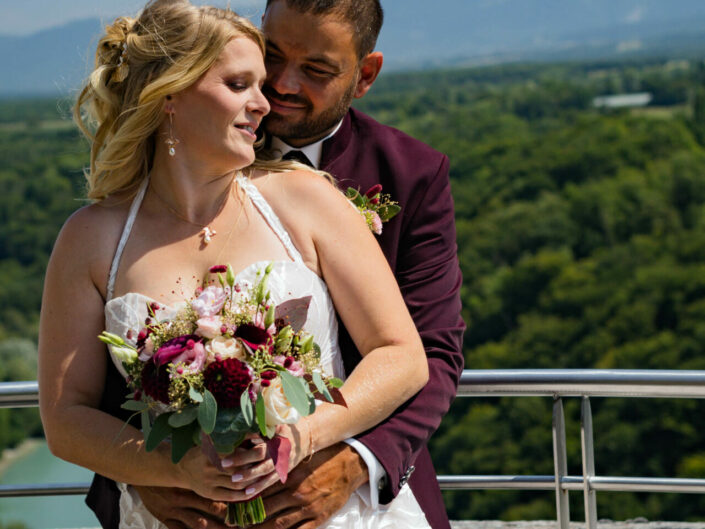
(181,442)
(321,386)
(225,443)
(195,395)
(160,431)
(295,392)
(260,414)
(248,413)
(146,424)
(225,419)
(183,417)
(134,405)
(207,411)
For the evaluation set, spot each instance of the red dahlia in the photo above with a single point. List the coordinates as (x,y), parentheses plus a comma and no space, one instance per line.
(227,379)
(155,382)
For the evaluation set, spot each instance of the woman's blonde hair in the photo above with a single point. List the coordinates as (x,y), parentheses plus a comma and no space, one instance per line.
(138,63)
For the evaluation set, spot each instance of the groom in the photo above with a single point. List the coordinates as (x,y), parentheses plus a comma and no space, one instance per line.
(319,58)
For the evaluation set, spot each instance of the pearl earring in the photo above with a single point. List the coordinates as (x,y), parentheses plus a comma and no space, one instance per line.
(171,141)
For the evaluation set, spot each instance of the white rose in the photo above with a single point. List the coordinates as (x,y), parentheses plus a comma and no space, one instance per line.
(277,408)
(225,348)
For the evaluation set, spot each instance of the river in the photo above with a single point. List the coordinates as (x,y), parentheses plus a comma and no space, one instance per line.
(37,465)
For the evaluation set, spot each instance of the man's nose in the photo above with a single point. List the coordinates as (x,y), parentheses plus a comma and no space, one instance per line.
(283,79)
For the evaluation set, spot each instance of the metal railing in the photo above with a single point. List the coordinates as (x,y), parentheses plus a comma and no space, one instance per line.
(554,383)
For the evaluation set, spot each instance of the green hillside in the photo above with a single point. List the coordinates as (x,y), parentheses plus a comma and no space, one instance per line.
(582,243)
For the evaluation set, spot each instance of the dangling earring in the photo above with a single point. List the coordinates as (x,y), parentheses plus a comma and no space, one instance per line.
(171,141)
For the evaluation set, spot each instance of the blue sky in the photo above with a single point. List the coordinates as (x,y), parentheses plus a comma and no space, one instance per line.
(23,17)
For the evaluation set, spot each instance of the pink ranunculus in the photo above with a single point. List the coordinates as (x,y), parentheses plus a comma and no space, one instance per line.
(192,359)
(374,221)
(147,350)
(210,301)
(292,366)
(172,350)
(209,326)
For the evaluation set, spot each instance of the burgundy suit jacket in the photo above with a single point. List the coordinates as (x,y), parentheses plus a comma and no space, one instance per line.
(420,246)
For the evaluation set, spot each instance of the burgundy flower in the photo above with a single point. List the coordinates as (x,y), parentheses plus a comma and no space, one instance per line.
(373,190)
(226,380)
(253,336)
(218,268)
(155,382)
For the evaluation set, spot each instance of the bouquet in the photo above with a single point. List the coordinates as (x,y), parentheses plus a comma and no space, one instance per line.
(228,364)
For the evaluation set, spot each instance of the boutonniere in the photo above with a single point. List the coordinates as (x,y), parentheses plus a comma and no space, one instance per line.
(374,206)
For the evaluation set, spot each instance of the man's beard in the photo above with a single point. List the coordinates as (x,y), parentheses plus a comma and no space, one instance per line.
(309,126)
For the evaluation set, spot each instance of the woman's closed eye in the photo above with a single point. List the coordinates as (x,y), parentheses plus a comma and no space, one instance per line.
(237,86)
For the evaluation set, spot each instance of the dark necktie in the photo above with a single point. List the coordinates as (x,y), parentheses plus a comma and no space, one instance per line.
(298,156)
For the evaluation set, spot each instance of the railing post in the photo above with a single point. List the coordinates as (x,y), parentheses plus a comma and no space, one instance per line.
(586,441)
(560,464)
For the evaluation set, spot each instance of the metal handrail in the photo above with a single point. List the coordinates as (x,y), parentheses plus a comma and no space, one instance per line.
(554,383)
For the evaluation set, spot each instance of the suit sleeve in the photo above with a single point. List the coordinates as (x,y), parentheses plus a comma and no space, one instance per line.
(429,278)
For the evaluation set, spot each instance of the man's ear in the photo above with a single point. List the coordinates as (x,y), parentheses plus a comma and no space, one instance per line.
(370,65)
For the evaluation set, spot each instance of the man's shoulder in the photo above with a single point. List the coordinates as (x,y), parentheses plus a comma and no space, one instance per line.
(390,139)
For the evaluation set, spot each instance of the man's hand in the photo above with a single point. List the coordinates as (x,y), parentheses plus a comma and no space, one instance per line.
(315,489)
(182,509)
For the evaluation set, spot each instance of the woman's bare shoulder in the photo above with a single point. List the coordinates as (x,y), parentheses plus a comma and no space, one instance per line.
(301,189)
(88,238)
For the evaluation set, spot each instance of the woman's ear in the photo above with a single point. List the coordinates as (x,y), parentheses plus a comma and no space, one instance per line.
(370,65)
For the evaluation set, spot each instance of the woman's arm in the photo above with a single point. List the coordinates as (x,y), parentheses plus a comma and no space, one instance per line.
(334,240)
(72,365)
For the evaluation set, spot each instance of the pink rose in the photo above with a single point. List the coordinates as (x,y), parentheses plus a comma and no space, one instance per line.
(209,326)
(210,301)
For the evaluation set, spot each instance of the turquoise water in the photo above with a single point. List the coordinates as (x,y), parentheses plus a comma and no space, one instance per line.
(45,512)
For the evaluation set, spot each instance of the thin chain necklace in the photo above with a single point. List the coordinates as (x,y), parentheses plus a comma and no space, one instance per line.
(207,233)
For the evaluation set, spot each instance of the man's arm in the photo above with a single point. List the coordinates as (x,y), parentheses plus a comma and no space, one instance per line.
(430,280)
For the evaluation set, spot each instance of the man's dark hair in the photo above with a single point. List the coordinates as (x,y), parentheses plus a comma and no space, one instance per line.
(365,16)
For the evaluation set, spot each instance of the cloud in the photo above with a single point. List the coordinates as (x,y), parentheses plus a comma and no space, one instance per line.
(635,15)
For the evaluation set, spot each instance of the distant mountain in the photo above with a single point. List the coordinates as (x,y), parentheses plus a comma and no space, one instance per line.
(421,34)
(51,62)
(430,33)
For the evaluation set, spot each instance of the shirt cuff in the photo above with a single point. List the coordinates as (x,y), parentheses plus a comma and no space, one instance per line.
(369,492)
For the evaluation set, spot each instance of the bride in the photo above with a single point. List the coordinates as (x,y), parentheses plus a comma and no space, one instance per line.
(171,110)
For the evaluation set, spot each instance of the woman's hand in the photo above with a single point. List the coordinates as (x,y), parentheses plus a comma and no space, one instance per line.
(252,469)
(233,479)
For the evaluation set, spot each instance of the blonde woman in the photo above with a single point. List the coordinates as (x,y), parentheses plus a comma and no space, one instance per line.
(171,110)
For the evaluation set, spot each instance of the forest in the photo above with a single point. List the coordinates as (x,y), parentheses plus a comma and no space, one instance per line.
(581,237)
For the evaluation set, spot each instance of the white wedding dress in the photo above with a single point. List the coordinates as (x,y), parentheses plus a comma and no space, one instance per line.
(288,279)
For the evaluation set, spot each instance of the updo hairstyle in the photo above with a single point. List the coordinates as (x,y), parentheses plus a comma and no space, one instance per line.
(137,64)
